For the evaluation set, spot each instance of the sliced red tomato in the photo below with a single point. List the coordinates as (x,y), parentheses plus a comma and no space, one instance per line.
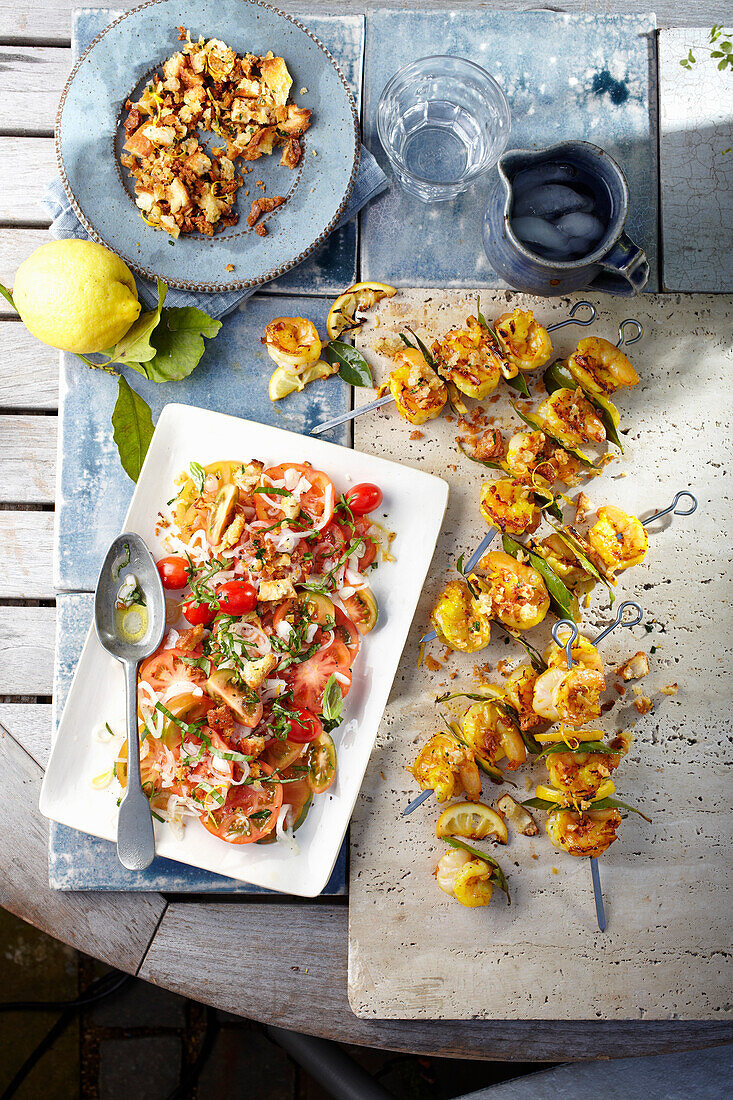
(347,633)
(364,498)
(173,572)
(198,614)
(249,813)
(236,597)
(167,667)
(304,727)
(211,771)
(317,502)
(309,678)
(367,550)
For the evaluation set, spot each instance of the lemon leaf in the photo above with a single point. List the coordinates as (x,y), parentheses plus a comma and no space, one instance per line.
(178,342)
(135,346)
(7,296)
(132,423)
(352,366)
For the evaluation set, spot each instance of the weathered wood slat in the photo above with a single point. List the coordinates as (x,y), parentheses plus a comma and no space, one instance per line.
(114,927)
(15,245)
(26,553)
(31,81)
(27,459)
(29,370)
(26,166)
(30,725)
(26,20)
(303,987)
(26,650)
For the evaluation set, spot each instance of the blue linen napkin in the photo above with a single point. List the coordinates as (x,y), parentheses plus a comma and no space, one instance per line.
(370,181)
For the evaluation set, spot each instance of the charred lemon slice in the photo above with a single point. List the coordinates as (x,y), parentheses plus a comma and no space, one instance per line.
(357,299)
(473,820)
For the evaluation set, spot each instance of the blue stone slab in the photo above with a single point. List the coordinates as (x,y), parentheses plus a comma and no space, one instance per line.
(333,267)
(77,861)
(93,492)
(590,77)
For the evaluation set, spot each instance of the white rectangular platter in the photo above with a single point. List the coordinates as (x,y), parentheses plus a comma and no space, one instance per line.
(415,503)
(415,953)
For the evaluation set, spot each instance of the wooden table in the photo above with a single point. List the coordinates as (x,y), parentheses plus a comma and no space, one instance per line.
(282,962)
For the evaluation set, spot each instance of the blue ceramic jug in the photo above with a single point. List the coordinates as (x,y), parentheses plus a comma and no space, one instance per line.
(615,265)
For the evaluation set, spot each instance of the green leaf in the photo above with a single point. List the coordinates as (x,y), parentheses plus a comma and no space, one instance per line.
(132,424)
(614,804)
(519,384)
(352,366)
(497,877)
(583,746)
(563,603)
(535,657)
(178,342)
(8,297)
(534,423)
(135,346)
(198,475)
(542,804)
(333,700)
(557,376)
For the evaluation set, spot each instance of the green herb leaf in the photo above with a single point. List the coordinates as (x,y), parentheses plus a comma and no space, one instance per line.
(270,490)
(135,347)
(497,877)
(132,423)
(8,297)
(178,342)
(614,804)
(518,383)
(583,746)
(563,603)
(333,701)
(352,366)
(198,475)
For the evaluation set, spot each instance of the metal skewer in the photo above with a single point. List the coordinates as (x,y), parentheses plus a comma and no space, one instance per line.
(674,509)
(326,426)
(568,645)
(622,342)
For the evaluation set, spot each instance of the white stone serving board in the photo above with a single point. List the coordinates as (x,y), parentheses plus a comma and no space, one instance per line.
(414,953)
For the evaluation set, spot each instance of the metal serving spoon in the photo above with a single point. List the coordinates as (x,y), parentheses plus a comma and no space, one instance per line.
(130,634)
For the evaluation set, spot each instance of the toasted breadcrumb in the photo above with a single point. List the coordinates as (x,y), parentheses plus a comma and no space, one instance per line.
(417,435)
(582,507)
(669,689)
(432,664)
(643,704)
(520,818)
(636,667)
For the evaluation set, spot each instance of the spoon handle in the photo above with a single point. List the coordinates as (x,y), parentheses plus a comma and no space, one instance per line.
(135,836)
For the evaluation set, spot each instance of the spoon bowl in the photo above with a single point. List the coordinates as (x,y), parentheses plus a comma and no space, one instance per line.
(129,615)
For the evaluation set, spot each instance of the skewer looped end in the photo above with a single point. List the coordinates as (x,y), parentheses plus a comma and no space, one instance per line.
(571,319)
(571,638)
(632,322)
(674,509)
(621,621)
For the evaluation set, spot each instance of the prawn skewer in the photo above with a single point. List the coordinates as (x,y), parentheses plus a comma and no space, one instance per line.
(476,386)
(515,754)
(568,647)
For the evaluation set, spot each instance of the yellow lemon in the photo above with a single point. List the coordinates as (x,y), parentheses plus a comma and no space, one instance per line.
(76,295)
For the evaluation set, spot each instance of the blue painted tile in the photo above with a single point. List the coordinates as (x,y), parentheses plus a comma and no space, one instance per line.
(77,861)
(589,77)
(93,492)
(333,267)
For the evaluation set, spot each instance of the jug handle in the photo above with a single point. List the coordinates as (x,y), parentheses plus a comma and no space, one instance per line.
(626,270)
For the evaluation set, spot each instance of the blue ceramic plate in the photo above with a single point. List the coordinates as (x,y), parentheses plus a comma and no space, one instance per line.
(89,125)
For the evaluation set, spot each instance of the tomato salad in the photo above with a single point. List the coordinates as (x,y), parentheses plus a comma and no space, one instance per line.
(267,600)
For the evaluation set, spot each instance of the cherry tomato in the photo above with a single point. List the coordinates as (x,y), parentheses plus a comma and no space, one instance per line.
(198,614)
(330,546)
(317,502)
(173,572)
(238,820)
(304,727)
(364,498)
(236,597)
(309,678)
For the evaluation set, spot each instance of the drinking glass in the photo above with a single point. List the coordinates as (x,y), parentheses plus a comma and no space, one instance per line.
(443,122)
